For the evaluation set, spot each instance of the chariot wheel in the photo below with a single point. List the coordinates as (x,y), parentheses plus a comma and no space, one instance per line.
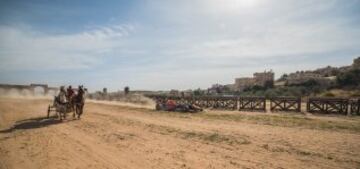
(48,112)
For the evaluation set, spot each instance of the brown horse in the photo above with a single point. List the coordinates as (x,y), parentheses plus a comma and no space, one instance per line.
(78,102)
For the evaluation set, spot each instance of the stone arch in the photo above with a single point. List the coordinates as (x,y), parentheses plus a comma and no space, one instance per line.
(26,92)
(39,89)
(13,92)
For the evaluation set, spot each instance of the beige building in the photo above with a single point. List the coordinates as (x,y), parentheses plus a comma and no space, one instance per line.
(244,82)
(262,78)
(259,79)
(302,77)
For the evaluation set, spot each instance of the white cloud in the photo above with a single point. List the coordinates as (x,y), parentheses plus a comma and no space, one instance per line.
(27,49)
(268,29)
(189,44)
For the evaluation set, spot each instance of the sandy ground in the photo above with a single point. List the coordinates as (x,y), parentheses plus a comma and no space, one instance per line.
(121,136)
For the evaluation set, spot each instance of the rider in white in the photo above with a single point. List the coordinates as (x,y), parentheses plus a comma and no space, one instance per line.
(62,95)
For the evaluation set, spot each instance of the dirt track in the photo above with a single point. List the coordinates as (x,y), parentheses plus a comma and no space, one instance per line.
(110,136)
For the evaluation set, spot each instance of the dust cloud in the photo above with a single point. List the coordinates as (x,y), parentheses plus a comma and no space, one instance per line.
(24,94)
(143,102)
(139,102)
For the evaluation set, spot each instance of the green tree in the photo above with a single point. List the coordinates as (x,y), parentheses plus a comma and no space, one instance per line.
(269,84)
(349,78)
(126,90)
(197,92)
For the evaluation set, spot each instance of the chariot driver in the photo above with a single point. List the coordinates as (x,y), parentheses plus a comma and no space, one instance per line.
(62,95)
(70,93)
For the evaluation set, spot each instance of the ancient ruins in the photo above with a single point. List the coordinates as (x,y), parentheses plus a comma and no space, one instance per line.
(29,88)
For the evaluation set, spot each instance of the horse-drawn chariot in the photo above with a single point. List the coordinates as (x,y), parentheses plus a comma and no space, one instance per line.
(74,104)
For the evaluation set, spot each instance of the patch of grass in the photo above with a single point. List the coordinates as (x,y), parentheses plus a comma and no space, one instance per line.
(313,154)
(306,153)
(285,120)
(213,137)
(293,150)
(288,121)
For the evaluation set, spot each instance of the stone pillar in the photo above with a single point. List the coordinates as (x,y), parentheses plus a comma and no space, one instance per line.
(32,91)
(46,91)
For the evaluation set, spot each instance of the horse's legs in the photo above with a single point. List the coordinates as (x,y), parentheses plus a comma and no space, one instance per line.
(60,115)
(74,110)
(64,113)
(79,109)
(82,108)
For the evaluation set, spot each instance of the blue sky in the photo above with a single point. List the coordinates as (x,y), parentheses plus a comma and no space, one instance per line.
(179,44)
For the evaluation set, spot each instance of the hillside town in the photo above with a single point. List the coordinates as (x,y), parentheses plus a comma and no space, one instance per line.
(266,79)
(325,77)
